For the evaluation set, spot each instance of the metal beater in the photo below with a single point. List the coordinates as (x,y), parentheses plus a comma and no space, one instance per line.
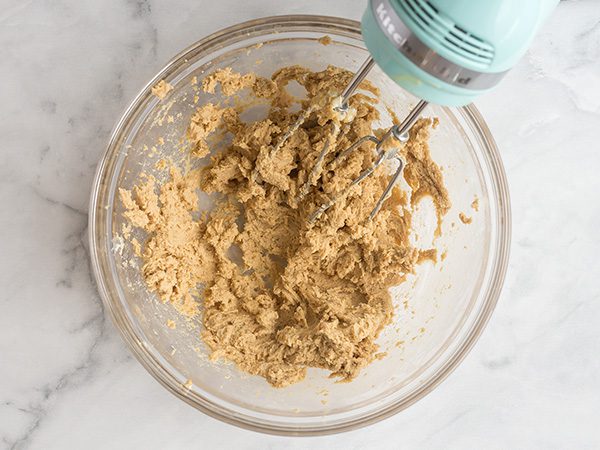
(399,132)
(441,51)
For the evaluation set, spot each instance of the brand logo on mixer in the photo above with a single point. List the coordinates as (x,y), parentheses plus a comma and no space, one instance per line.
(386,22)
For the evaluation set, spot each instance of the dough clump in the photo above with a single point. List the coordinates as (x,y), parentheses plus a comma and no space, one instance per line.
(278,293)
(161,89)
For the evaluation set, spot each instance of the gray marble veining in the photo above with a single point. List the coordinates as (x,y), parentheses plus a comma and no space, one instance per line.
(67,70)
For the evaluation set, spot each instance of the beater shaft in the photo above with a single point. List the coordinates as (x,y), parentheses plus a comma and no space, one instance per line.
(358,77)
(400,132)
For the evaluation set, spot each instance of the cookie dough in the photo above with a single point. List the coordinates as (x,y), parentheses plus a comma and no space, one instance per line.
(464,218)
(161,89)
(278,294)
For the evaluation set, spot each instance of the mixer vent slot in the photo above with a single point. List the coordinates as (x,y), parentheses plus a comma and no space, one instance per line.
(448,34)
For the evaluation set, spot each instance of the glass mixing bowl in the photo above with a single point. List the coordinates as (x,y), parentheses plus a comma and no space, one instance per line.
(441,309)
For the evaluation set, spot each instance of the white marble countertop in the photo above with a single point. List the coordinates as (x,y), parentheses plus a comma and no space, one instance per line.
(68,69)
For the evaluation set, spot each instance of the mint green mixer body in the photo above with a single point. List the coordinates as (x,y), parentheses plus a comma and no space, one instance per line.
(450,51)
(442,51)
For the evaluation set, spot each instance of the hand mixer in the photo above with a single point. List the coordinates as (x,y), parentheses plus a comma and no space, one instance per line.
(442,51)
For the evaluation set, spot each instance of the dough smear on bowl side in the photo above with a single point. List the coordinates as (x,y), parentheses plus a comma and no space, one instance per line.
(298,294)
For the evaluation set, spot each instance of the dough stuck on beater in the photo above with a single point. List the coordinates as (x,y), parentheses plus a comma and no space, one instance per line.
(299,294)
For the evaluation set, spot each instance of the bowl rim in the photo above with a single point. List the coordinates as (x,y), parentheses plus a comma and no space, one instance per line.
(165,378)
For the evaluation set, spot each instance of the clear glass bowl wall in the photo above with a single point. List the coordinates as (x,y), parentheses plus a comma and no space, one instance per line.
(448,303)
